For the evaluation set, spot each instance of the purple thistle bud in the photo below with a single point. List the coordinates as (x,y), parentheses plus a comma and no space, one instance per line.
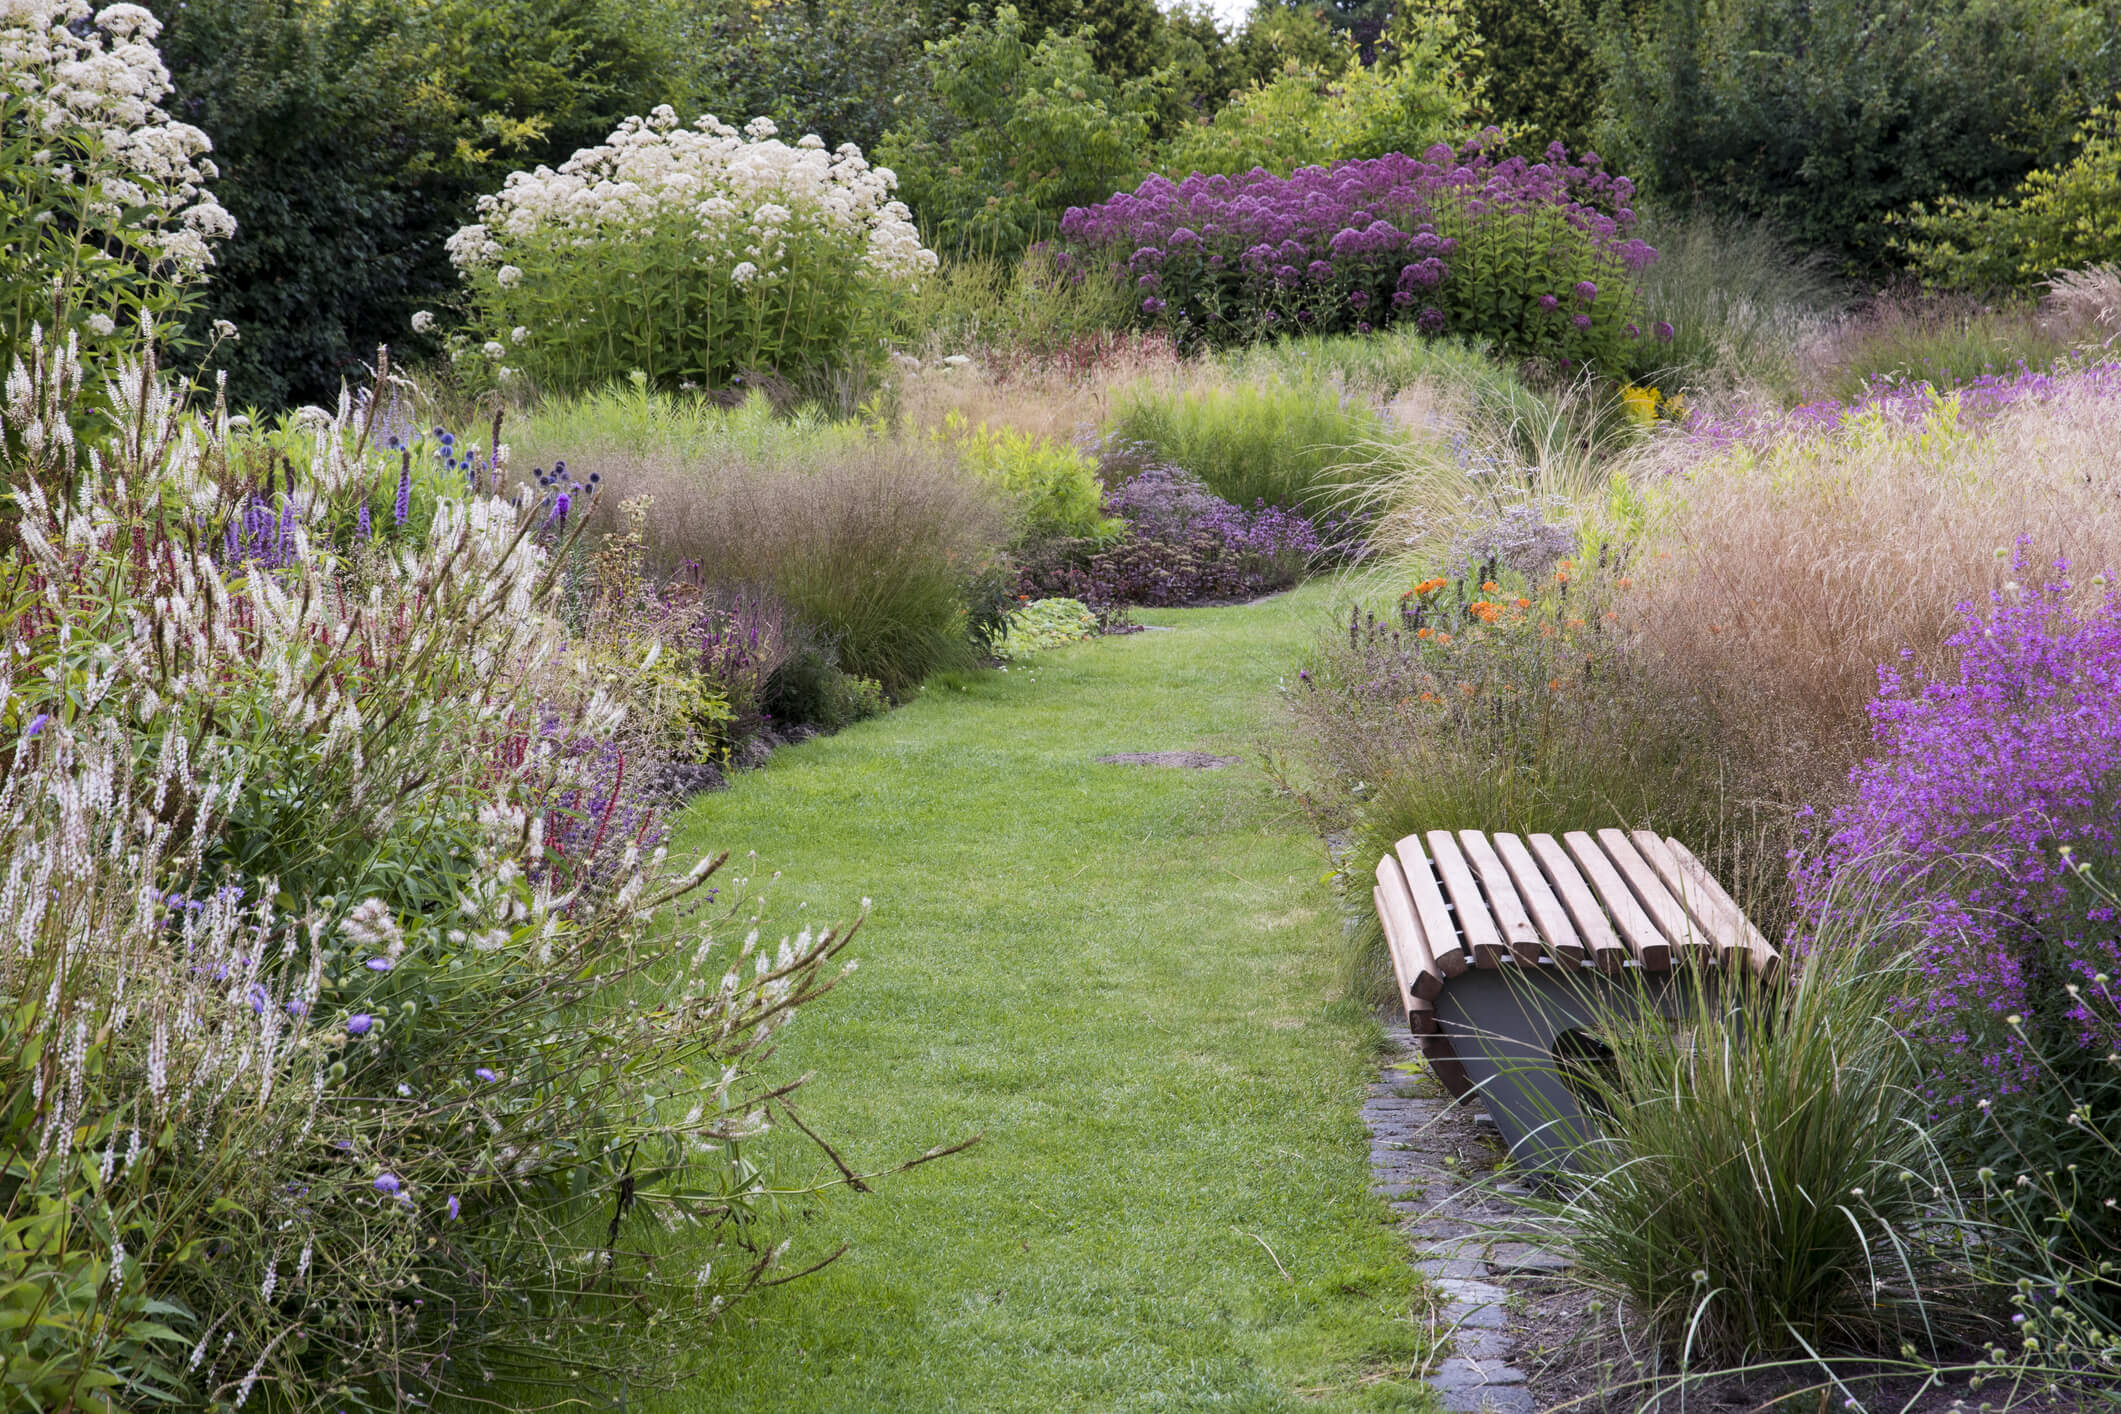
(387,1184)
(359,1024)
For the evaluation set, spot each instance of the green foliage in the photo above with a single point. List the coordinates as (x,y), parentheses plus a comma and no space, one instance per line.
(1007,309)
(1944,340)
(354,137)
(1053,487)
(2066,217)
(839,69)
(1285,444)
(1828,118)
(1043,624)
(1305,117)
(1537,64)
(1017,132)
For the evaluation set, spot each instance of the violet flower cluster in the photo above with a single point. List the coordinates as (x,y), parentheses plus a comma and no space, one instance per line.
(1992,791)
(1537,256)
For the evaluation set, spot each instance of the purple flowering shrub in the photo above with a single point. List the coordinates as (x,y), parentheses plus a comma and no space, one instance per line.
(1534,257)
(1990,791)
(1986,826)
(1183,545)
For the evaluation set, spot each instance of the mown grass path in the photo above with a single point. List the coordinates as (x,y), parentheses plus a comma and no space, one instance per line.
(1119,976)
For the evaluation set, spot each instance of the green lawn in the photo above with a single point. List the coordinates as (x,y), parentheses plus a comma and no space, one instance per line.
(1120,977)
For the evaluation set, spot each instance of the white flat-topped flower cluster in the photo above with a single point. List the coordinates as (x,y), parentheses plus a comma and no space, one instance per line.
(742,191)
(90,91)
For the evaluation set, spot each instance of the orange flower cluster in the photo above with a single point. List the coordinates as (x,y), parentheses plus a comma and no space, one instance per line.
(1484,611)
(1425,588)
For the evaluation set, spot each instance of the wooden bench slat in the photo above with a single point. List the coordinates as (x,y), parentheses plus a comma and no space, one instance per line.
(1412,961)
(1421,1017)
(1475,923)
(1766,961)
(1629,921)
(1430,910)
(1508,911)
(1607,952)
(1724,926)
(1548,916)
(1688,938)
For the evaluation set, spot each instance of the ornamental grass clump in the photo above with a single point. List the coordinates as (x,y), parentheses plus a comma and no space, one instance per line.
(1535,258)
(691,255)
(1294,445)
(355,1028)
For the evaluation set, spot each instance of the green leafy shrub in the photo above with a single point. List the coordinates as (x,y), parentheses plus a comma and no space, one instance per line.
(1045,623)
(354,136)
(1286,445)
(2066,217)
(690,255)
(836,69)
(1406,102)
(321,1084)
(1053,487)
(1538,67)
(1827,119)
(1018,132)
(102,193)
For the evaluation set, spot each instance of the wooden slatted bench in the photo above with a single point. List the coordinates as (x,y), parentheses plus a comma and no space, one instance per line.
(1498,944)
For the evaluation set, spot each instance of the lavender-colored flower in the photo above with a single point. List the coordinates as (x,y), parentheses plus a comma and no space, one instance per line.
(454,1207)
(486,1075)
(1663,331)
(259,998)
(1549,302)
(1358,298)
(387,1184)
(361,529)
(1586,291)
(379,964)
(401,509)
(1152,305)
(1430,320)
(359,1024)
(36,724)
(1582,321)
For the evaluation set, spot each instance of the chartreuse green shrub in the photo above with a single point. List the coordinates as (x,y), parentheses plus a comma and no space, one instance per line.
(690,256)
(2065,217)
(1045,623)
(1410,99)
(322,1081)
(1053,487)
(1287,444)
(102,193)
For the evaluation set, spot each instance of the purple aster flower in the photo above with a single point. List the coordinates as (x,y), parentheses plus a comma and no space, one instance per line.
(486,1075)
(379,964)
(359,1024)
(387,1184)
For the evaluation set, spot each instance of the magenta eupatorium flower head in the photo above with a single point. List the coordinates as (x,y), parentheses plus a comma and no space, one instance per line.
(1586,290)
(1582,321)
(1550,302)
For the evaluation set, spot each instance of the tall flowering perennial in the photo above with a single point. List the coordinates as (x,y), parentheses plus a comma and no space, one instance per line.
(283,922)
(1536,257)
(1989,791)
(102,193)
(690,255)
